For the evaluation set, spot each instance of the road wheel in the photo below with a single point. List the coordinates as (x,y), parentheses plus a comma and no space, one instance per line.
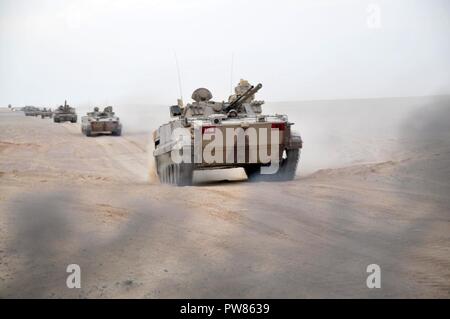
(164,175)
(176,174)
(159,169)
(158,172)
(88,131)
(185,174)
(161,175)
(170,174)
(167,175)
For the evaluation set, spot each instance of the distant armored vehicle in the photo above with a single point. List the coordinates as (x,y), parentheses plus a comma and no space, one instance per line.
(46,112)
(215,135)
(64,113)
(97,122)
(30,110)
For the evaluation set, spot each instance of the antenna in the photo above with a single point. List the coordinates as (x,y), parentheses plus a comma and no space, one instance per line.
(178,72)
(231,72)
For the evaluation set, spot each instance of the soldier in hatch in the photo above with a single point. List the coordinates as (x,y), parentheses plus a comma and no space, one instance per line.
(240,89)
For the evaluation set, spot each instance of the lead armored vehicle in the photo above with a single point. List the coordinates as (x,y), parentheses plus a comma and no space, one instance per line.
(97,122)
(216,135)
(65,113)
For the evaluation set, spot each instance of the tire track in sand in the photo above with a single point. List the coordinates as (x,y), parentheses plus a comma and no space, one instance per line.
(125,154)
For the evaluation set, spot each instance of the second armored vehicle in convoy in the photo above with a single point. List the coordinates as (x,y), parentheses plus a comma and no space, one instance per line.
(97,122)
(65,113)
(46,112)
(30,110)
(215,135)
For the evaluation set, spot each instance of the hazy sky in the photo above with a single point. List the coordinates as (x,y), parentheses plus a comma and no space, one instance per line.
(122,51)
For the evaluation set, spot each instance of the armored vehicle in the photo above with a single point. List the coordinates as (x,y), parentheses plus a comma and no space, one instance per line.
(30,110)
(46,112)
(64,113)
(97,122)
(215,135)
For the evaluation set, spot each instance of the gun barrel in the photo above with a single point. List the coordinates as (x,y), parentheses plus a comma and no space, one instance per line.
(235,102)
(252,90)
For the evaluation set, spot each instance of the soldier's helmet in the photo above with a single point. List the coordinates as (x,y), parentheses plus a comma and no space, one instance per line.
(108,109)
(201,95)
(242,87)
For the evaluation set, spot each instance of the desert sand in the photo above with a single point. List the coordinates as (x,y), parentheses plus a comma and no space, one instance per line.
(373,187)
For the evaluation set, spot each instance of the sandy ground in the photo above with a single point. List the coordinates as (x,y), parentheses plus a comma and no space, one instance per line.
(373,187)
